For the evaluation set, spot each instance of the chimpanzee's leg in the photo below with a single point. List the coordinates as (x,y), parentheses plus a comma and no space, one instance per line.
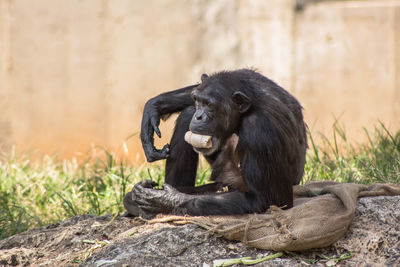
(181,165)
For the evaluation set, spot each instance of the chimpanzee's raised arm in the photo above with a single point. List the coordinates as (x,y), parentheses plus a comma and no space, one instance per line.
(163,104)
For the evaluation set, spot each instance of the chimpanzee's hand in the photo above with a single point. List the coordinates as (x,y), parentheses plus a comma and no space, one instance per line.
(158,201)
(150,122)
(133,210)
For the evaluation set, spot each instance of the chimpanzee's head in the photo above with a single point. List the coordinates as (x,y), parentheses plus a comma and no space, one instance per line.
(218,111)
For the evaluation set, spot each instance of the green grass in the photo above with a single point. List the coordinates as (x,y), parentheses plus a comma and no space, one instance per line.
(376,161)
(44,191)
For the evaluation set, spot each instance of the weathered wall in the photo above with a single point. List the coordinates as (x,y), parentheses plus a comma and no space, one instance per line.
(347,64)
(77,73)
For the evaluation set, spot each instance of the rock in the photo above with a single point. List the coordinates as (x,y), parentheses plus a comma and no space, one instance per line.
(374,235)
(88,240)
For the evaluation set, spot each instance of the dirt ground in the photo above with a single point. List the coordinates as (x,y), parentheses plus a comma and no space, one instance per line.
(86,240)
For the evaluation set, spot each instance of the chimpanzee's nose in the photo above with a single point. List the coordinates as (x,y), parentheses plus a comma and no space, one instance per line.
(199,117)
(199,122)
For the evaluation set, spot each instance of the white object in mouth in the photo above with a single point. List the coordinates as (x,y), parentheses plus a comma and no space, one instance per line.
(198,140)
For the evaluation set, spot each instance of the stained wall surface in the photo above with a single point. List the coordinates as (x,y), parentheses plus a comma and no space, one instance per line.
(76,74)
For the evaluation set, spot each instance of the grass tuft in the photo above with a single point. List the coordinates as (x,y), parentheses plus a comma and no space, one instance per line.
(50,190)
(377,161)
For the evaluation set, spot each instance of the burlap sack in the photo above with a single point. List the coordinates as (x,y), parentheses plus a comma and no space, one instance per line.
(321,215)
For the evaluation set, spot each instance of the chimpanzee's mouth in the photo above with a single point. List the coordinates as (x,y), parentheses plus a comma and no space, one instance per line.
(204,144)
(211,150)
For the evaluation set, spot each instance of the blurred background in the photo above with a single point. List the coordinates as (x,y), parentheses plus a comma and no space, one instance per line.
(76,74)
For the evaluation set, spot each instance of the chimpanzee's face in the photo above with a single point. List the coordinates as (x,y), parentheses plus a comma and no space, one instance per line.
(214,115)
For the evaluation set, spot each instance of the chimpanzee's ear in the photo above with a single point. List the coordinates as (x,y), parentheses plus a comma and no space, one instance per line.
(203,77)
(241,101)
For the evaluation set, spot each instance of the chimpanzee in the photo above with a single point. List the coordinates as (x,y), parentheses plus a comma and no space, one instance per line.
(256,151)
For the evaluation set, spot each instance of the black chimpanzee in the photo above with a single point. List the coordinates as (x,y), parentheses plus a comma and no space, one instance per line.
(258,147)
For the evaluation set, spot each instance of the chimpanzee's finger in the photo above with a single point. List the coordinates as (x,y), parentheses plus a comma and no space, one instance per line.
(150,208)
(149,184)
(154,123)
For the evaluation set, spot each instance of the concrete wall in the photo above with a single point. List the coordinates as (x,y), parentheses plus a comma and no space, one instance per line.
(77,73)
(347,64)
